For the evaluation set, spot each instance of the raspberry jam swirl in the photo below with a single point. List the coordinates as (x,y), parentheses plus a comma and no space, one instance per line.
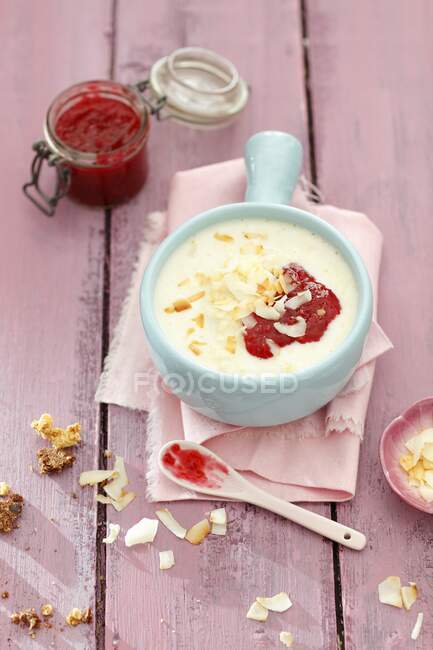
(317,313)
(193,466)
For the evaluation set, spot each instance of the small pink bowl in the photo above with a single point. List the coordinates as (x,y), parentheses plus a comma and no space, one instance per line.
(407,425)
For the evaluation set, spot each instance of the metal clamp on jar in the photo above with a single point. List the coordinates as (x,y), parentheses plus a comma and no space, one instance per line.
(96,132)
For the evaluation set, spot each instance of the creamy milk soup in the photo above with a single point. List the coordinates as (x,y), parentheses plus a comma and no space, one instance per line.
(253,296)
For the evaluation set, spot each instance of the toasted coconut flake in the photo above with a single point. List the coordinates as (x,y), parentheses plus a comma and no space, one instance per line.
(295,331)
(181,304)
(197,533)
(409,595)
(115,488)
(417,627)
(218,516)
(166,518)
(265,311)
(143,532)
(287,287)
(426,493)
(170,309)
(94,476)
(286,639)
(166,559)
(406,461)
(299,300)
(113,533)
(196,296)
(255,235)
(257,612)
(190,331)
(390,591)
(223,237)
(218,529)
(184,282)
(199,320)
(251,249)
(278,603)
(195,349)
(231,344)
(118,505)
(280,304)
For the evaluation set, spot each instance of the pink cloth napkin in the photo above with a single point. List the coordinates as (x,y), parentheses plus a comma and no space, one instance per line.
(313,459)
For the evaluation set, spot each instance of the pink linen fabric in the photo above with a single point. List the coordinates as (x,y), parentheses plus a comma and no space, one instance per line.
(312,459)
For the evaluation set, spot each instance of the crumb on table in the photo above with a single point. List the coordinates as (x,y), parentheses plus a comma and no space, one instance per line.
(11,508)
(53,460)
(76,616)
(59,438)
(27,618)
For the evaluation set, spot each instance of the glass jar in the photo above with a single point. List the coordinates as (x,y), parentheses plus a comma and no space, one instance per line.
(96,132)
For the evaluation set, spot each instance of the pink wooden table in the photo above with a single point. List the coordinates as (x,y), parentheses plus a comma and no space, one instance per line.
(353,81)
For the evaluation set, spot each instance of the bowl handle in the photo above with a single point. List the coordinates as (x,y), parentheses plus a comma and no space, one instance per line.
(273,162)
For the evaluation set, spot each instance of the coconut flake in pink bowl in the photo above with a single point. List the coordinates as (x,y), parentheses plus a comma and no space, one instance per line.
(392,446)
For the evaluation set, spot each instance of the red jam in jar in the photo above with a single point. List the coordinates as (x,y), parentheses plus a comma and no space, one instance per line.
(99,130)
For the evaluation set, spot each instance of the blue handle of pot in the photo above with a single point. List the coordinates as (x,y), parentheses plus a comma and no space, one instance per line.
(273,162)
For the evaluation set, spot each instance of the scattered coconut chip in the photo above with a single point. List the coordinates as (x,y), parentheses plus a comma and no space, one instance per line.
(287,287)
(11,508)
(199,320)
(222,237)
(417,627)
(390,591)
(231,344)
(196,296)
(114,488)
(47,610)
(257,612)
(197,533)
(218,516)
(218,529)
(181,304)
(27,618)
(95,476)
(167,519)
(278,603)
(4,489)
(143,532)
(195,349)
(113,533)
(166,560)
(409,595)
(76,616)
(299,300)
(295,331)
(118,505)
(265,311)
(52,460)
(286,639)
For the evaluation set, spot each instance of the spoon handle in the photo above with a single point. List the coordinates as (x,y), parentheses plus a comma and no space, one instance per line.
(322,525)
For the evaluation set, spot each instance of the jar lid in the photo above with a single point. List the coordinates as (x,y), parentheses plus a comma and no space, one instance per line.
(200,87)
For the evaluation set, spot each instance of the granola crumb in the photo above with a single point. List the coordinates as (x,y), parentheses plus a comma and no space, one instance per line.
(27,618)
(76,616)
(47,610)
(5,595)
(11,508)
(53,460)
(59,438)
(4,489)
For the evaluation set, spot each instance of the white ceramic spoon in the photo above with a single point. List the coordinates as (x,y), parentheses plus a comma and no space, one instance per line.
(232,485)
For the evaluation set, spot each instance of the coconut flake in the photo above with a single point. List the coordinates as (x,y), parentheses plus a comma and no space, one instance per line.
(197,533)
(286,639)
(296,330)
(114,488)
(417,627)
(167,519)
(280,304)
(390,591)
(94,476)
(265,311)
(218,516)
(218,529)
(143,532)
(278,603)
(426,493)
(300,299)
(257,612)
(166,559)
(249,321)
(409,595)
(113,532)
(119,504)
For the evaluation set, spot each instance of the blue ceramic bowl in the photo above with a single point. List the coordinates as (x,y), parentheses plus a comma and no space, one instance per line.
(273,162)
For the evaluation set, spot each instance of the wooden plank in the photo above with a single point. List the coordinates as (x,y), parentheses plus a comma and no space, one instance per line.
(50,287)
(372,118)
(204,599)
